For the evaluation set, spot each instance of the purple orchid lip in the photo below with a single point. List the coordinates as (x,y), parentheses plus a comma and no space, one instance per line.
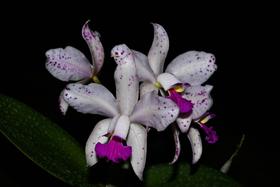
(184,105)
(114,150)
(211,135)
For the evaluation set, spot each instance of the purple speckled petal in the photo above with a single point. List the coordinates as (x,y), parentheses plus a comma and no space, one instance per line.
(155,111)
(184,105)
(127,84)
(211,135)
(93,99)
(137,139)
(114,150)
(201,99)
(193,67)
(177,144)
(159,49)
(68,64)
(95,46)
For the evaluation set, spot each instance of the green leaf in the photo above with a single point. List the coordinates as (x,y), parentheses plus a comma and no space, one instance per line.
(180,175)
(44,142)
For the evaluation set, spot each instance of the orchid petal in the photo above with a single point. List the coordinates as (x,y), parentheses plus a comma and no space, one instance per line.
(144,71)
(113,124)
(95,46)
(63,105)
(93,98)
(193,67)
(177,145)
(196,144)
(159,49)
(68,64)
(184,123)
(137,139)
(155,111)
(146,87)
(127,86)
(97,136)
(201,99)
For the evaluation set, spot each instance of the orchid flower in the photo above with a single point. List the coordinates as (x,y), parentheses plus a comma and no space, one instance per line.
(70,64)
(182,83)
(121,136)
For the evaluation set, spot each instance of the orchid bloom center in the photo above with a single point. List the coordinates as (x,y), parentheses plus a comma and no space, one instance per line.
(114,150)
(175,94)
(211,135)
(95,79)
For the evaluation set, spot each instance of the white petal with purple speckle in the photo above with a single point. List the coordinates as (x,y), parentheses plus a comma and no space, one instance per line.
(177,145)
(155,111)
(159,49)
(95,46)
(68,64)
(200,98)
(97,135)
(137,139)
(196,144)
(93,98)
(127,85)
(193,67)
(184,123)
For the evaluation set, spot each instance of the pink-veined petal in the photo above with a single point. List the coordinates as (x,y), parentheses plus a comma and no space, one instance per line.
(68,64)
(63,105)
(144,71)
(196,144)
(184,123)
(177,144)
(127,85)
(96,136)
(159,49)
(95,46)
(193,67)
(137,139)
(93,98)
(155,111)
(200,98)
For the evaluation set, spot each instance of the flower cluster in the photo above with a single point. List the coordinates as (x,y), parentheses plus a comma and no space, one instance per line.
(146,96)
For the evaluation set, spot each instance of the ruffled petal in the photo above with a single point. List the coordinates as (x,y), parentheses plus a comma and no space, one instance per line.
(177,145)
(114,150)
(193,67)
(95,46)
(200,98)
(159,49)
(93,98)
(146,87)
(144,71)
(137,139)
(97,136)
(184,123)
(127,85)
(196,144)
(154,111)
(68,64)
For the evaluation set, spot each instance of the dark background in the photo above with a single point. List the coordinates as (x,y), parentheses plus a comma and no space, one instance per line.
(240,36)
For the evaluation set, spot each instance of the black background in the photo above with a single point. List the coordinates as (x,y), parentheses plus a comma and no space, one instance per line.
(240,36)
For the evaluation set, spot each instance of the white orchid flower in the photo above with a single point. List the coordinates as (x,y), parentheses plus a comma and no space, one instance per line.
(122,135)
(70,64)
(181,82)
